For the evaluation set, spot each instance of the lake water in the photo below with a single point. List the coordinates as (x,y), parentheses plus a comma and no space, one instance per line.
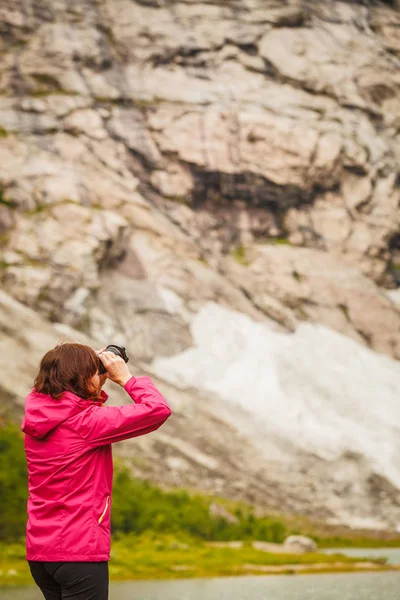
(346,586)
(392,554)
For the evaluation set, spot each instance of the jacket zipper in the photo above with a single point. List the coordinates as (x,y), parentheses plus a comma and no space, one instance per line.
(105,510)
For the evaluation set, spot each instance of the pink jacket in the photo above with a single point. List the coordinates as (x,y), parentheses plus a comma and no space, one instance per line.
(68,450)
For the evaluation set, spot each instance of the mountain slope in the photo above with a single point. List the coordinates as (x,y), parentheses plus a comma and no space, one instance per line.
(167,167)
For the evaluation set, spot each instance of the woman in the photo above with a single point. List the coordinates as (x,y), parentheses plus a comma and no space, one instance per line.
(68,440)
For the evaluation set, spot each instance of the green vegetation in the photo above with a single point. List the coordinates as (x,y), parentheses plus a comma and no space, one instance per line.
(43,93)
(13,483)
(395,269)
(47,83)
(3,132)
(298,276)
(152,556)
(2,199)
(239,253)
(139,506)
(281,241)
(203,261)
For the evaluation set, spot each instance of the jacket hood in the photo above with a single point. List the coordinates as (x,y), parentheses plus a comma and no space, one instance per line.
(44,413)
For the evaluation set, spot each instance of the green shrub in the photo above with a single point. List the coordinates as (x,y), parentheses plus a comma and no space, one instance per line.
(139,506)
(13,483)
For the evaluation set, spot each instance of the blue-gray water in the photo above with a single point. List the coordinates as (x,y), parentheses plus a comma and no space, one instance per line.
(392,554)
(346,586)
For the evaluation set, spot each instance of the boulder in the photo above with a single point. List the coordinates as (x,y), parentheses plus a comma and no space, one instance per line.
(299,544)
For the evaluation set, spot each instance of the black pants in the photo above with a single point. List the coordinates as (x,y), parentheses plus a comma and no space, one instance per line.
(71,580)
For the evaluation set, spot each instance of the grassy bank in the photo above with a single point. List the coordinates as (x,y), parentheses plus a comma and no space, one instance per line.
(150,556)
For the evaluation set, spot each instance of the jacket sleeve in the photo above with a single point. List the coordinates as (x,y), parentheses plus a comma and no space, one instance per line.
(108,424)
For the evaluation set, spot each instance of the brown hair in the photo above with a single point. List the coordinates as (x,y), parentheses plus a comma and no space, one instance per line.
(67,367)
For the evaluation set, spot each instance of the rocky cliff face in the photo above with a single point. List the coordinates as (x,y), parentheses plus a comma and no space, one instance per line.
(158,156)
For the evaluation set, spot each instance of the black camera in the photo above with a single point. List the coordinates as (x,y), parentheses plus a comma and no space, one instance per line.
(119,351)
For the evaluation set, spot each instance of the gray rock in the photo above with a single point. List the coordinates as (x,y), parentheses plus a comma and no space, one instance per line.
(299,543)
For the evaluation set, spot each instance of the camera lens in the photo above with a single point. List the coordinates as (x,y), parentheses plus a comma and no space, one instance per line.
(119,351)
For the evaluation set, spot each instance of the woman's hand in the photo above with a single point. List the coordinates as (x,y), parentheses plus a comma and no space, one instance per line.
(117,369)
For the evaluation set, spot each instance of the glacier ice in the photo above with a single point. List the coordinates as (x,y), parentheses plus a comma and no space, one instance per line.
(323,392)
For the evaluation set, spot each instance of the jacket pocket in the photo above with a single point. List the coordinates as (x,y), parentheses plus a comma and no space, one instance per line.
(103,514)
